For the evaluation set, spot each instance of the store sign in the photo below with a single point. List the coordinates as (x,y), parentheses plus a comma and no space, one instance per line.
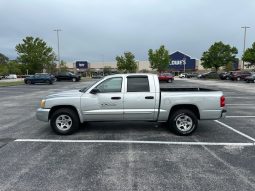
(178,62)
(81,64)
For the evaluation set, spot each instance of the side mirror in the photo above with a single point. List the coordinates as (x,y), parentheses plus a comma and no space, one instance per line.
(94,91)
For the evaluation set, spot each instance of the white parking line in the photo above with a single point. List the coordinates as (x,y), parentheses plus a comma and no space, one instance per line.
(134,142)
(246,104)
(231,128)
(240,117)
(244,97)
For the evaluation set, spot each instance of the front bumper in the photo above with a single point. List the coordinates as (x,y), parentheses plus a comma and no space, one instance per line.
(43,114)
(223,113)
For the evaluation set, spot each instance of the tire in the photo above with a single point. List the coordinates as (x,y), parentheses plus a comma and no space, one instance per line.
(183,121)
(74,79)
(238,78)
(253,81)
(64,121)
(29,82)
(169,81)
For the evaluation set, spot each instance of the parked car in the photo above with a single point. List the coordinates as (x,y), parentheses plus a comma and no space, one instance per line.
(191,75)
(132,97)
(224,75)
(250,78)
(209,75)
(1,77)
(39,78)
(68,76)
(97,76)
(239,75)
(11,76)
(183,75)
(167,77)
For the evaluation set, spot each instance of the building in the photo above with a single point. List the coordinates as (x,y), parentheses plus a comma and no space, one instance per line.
(180,63)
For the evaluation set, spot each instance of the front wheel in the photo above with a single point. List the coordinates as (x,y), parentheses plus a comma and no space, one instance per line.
(64,121)
(74,79)
(183,122)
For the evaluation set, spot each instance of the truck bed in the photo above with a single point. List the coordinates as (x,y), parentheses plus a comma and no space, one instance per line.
(186,90)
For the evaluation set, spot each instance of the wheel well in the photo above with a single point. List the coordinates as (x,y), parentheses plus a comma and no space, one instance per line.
(55,108)
(190,107)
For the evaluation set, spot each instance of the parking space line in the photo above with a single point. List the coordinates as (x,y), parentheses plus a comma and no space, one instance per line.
(242,116)
(239,132)
(244,97)
(246,104)
(134,142)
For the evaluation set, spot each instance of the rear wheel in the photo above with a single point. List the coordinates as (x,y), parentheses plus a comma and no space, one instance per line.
(64,121)
(183,122)
(238,78)
(74,79)
(29,82)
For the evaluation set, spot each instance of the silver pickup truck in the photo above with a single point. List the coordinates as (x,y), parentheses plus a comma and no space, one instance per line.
(132,97)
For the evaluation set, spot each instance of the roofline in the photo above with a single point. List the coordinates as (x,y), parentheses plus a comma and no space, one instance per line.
(185,54)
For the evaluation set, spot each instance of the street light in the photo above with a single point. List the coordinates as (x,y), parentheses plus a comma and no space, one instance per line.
(244,40)
(184,63)
(58,30)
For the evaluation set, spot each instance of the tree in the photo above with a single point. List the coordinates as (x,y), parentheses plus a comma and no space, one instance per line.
(127,62)
(63,67)
(35,54)
(218,55)
(159,59)
(3,59)
(13,67)
(107,70)
(249,55)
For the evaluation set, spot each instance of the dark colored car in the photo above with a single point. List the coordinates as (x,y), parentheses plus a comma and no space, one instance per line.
(39,78)
(224,75)
(68,76)
(239,75)
(167,77)
(209,75)
(251,78)
(191,75)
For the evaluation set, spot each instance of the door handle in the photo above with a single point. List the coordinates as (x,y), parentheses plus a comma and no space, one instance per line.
(115,98)
(149,97)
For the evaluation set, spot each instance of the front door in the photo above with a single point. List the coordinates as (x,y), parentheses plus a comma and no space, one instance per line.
(107,104)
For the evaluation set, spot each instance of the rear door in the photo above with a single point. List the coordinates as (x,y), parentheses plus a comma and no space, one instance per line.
(139,98)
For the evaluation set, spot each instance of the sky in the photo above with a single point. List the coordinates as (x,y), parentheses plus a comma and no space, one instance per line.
(99,30)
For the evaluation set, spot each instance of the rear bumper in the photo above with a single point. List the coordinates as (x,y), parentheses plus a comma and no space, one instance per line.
(223,113)
(42,114)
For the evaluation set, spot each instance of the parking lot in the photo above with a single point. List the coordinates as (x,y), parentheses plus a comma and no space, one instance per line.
(220,155)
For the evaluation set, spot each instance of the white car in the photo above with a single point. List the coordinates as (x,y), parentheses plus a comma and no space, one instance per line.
(11,76)
(182,75)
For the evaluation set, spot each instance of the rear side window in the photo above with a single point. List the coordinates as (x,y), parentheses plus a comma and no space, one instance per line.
(138,84)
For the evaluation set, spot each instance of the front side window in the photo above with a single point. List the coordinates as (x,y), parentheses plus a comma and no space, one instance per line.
(110,85)
(138,84)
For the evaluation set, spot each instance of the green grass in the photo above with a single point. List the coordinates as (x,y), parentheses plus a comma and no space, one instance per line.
(6,84)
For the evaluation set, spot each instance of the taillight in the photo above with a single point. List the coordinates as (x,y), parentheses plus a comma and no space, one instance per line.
(222,101)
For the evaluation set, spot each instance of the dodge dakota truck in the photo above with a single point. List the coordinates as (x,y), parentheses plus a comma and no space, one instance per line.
(131,97)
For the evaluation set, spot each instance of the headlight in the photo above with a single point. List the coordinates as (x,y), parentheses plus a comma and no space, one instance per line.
(42,104)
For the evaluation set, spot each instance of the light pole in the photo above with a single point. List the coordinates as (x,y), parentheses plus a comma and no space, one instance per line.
(58,30)
(244,40)
(184,63)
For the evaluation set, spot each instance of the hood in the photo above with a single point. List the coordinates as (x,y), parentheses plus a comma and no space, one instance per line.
(69,93)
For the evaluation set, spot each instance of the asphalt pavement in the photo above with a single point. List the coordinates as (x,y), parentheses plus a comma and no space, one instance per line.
(220,155)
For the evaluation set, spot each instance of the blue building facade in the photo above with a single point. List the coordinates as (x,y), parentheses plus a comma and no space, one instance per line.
(180,62)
